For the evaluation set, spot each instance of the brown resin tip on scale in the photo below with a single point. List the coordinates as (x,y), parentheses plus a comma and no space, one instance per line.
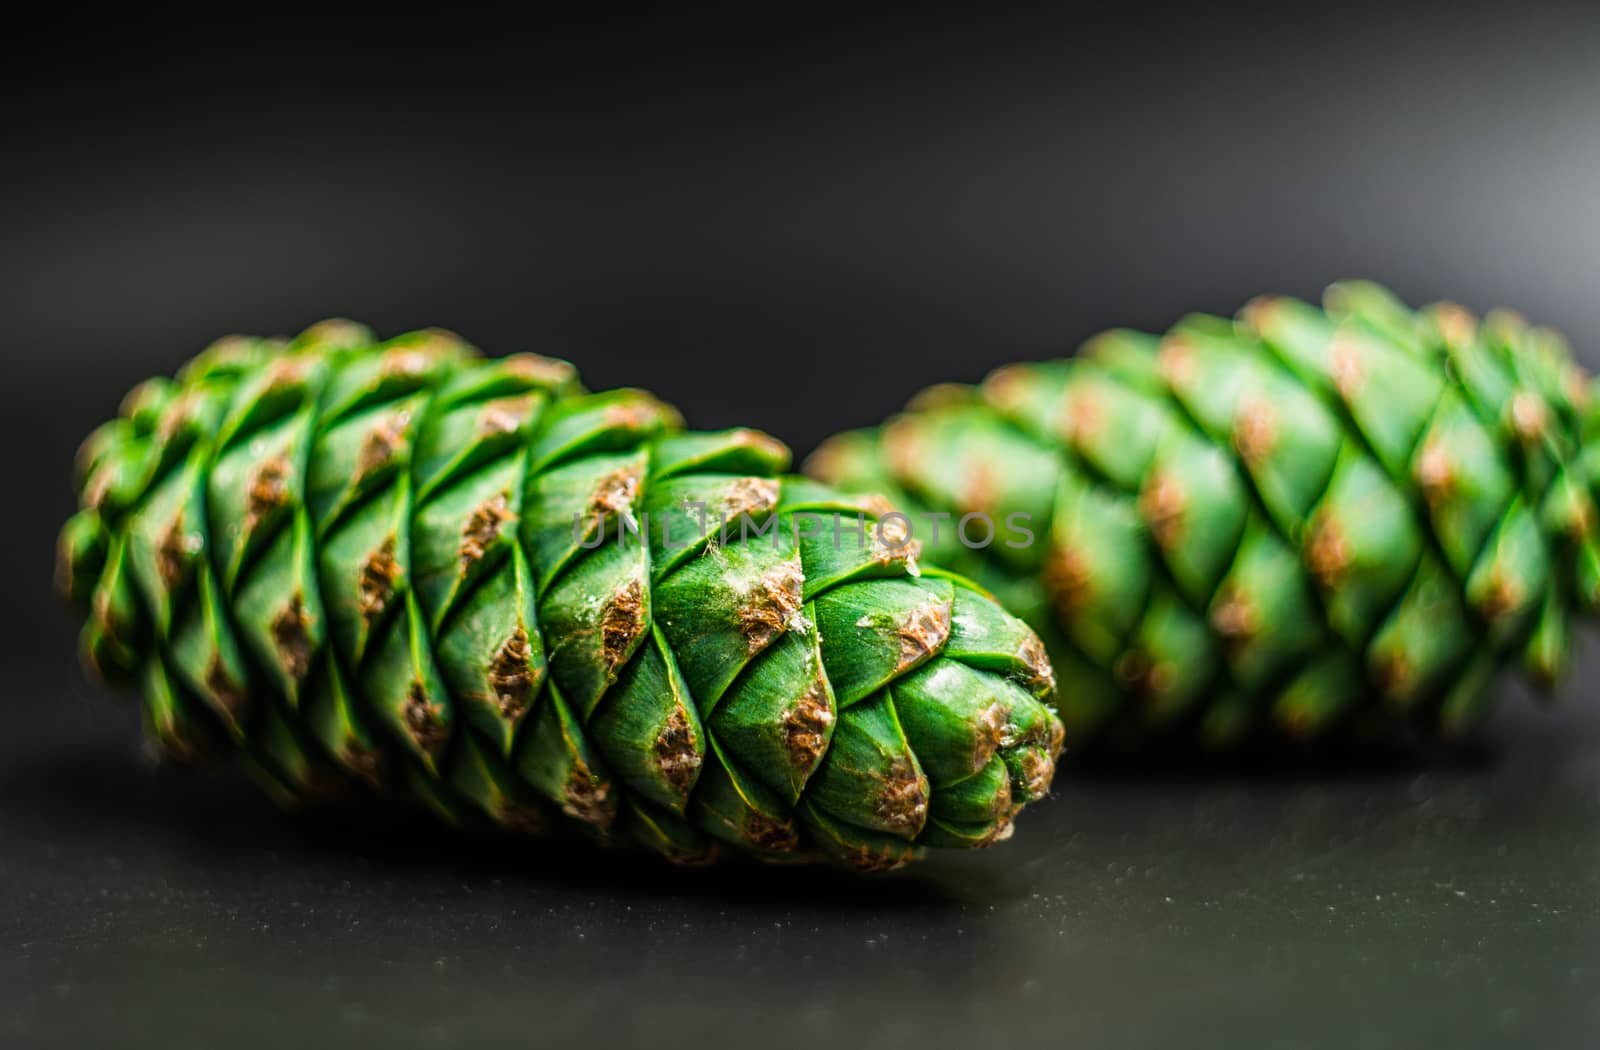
(923,633)
(483,528)
(1395,678)
(291,637)
(1067,579)
(586,797)
(504,415)
(1040,673)
(536,368)
(990,734)
(768,835)
(1038,771)
(1161,505)
(771,604)
(522,818)
(510,676)
(1175,361)
(376,582)
(622,620)
(269,491)
(424,719)
(805,727)
(1327,554)
(1006,388)
(229,694)
(1259,312)
(1435,474)
(1255,431)
(382,445)
(873,862)
(752,496)
(363,762)
(1235,617)
(675,753)
(1505,596)
(1530,416)
(614,493)
(1081,416)
(177,546)
(761,442)
(1456,324)
(1344,365)
(903,798)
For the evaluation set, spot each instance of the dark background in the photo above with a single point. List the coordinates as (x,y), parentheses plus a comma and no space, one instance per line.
(794,223)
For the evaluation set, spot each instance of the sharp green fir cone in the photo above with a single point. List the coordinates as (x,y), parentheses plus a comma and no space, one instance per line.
(471,583)
(1291,523)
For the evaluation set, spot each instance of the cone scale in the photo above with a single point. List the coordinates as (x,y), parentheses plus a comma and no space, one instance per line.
(470,583)
(1293,523)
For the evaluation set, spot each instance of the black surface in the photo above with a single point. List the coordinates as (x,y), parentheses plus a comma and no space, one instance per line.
(795,226)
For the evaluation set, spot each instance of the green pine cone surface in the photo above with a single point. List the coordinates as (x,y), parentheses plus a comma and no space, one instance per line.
(1296,522)
(468,582)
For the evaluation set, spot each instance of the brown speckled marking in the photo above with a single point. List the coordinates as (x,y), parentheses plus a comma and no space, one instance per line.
(752,496)
(483,528)
(989,734)
(510,676)
(1235,617)
(522,818)
(177,546)
(621,621)
(1255,431)
(535,368)
(1344,365)
(381,445)
(1066,577)
(1041,675)
(891,541)
(503,415)
(1435,474)
(377,580)
(614,493)
(675,753)
(1327,554)
(291,637)
(1162,505)
(871,861)
(902,447)
(1257,313)
(1506,594)
(422,719)
(1457,327)
(1038,772)
(269,491)
(1175,360)
(227,692)
(1530,416)
(1081,417)
(923,633)
(1395,677)
(1006,388)
(584,797)
(1057,741)
(764,833)
(363,762)
(805,728)
(903,798)
(771,604)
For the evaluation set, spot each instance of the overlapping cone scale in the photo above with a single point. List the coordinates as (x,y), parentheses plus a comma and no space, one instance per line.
(1286,523)
(470,582)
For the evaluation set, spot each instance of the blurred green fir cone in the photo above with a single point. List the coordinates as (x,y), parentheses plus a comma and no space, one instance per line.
(1294,522)
(471,583)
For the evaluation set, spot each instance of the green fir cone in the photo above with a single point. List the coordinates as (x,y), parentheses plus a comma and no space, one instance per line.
(471,583)
(1289,523)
